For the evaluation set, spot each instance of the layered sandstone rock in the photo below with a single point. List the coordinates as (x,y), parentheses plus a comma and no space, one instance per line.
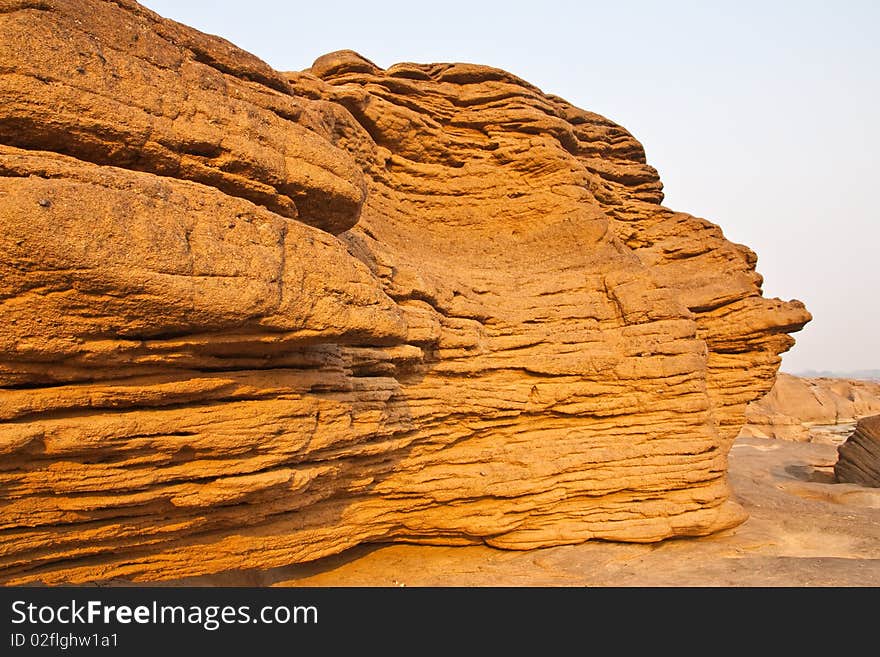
(811,409)
(858,459)
(250,319)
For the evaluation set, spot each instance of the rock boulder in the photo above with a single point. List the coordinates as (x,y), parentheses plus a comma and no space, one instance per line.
(858,459)
(252,318)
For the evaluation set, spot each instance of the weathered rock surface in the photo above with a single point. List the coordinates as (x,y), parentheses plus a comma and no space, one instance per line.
(812,409)
(858,459)
(249,319)
(803,530)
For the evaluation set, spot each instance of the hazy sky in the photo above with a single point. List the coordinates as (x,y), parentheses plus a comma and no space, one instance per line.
(760,116)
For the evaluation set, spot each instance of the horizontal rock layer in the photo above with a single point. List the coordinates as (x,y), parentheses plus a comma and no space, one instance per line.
(249,318)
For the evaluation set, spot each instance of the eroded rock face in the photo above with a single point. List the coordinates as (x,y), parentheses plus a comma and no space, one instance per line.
(250,319)
(811,409)
(858,459)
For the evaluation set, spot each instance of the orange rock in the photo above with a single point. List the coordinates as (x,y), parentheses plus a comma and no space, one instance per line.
(812,409)
(251,319)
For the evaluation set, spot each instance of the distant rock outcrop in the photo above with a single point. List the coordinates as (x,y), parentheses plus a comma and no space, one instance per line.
(811,410)
(249,318)
(858,459)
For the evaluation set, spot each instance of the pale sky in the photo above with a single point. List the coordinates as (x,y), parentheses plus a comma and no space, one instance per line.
(760,116)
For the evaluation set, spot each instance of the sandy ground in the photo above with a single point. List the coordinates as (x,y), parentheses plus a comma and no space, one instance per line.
(803,530)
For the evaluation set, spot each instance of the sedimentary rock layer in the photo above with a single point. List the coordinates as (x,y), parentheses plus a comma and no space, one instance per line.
(858,459)
(811,409)
(250,318)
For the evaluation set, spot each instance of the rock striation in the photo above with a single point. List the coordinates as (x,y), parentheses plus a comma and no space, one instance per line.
(858,460)
(811,409)
(252,318)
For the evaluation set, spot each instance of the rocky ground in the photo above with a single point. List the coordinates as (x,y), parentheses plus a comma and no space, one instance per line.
(803,530)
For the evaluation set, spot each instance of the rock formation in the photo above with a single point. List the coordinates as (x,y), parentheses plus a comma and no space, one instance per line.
(251,319)
(858,459)
(803,530)
(811,409)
